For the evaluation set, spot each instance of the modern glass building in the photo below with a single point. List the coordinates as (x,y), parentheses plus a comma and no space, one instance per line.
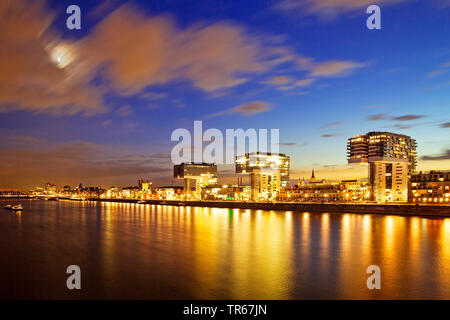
(392,160)
(269,172)
(204,174)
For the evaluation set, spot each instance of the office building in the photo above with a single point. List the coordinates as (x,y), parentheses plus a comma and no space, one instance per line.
(203,174)
(269,173)
(392,160)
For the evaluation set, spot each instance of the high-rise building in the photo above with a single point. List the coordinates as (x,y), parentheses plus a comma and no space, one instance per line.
(269,173)
(392,161)
(204,175)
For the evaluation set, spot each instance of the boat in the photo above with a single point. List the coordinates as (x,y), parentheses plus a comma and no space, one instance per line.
(17,207)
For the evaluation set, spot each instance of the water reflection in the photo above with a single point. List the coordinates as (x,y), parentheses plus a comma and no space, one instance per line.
(154,251)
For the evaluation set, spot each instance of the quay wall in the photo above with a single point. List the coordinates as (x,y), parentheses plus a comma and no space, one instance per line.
(385,209)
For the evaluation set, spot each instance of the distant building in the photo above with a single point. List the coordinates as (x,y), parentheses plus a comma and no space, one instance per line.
(169,193)
(392,161)
(431,187)
(50,188)
(344,191)
(226,192)
(12,192)
(144,185)
(313,178)
(203,174)
(269,173)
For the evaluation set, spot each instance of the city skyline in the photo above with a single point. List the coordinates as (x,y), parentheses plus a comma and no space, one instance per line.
(104,110)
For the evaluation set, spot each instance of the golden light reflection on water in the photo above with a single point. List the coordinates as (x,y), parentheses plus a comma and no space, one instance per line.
(155,251)
(444,254)
(256,249)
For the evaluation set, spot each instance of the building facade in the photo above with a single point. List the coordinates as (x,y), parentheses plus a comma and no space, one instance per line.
(391,159)
(343,191)
(431,187)
(269,173)
(203,174)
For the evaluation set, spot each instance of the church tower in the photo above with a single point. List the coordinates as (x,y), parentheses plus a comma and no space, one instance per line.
(313,178)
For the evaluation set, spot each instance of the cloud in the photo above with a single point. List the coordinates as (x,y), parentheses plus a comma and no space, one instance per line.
(377,117)
(291,144)
(210,56)
(408,117)
(304,82)
(74,162)
(330,8)
(289,83)
(125,111)
(445,125)
(279,80)
(288,144)
(403,126)
(248,109)
(328,135)
(31,78)
(127,52)
(435,73)
(439,86)
(334,68)
(42,73)
(443,68)
(444,156)
(153,95)
(332,124)
(105,6)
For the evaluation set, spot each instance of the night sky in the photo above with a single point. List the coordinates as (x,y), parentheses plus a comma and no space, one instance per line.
(98,105)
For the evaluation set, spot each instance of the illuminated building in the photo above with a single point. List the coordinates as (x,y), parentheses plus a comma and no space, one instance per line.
(226,192)
(323,191)
(392,160)
(50,188)
(146,185)
(12,192)
(431,187)
(269,173)
(204,175)
(169,193)
(313,178)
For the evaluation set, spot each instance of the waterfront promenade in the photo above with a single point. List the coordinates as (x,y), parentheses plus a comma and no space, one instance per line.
(386,209)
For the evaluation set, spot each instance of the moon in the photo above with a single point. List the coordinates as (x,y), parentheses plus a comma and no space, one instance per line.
(61,56)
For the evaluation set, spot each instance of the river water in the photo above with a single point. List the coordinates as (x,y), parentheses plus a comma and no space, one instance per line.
(132,251)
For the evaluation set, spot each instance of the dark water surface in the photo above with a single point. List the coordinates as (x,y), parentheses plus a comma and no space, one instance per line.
(131,251)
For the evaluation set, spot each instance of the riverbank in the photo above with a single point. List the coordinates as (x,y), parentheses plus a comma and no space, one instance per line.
(384,209)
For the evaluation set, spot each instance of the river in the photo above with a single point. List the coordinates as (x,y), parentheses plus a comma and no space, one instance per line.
(136,251)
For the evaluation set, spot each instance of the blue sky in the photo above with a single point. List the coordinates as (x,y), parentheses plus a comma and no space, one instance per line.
(136,72)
